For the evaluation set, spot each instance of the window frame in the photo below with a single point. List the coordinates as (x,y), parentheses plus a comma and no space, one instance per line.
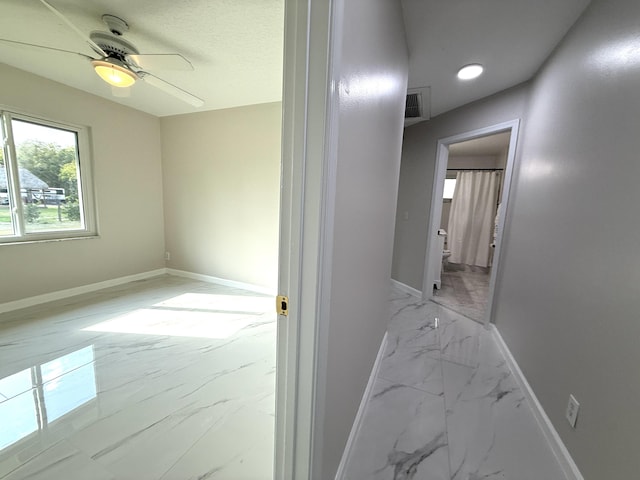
(85,183)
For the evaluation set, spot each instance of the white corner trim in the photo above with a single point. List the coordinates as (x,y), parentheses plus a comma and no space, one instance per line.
(558,447)
(222,281)
(357,422)
(406,288)
(71,292)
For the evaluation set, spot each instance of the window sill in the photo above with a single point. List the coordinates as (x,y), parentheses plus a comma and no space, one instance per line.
(88,236)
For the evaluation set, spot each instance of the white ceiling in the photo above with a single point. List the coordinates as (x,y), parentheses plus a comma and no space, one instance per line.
(511,38)
(236,46)
(490,145)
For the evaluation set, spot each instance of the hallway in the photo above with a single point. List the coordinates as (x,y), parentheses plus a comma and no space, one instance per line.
(445,406)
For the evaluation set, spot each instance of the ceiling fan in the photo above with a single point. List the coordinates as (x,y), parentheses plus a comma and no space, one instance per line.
(119,63)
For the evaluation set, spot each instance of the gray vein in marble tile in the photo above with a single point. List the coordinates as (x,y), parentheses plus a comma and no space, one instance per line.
(162,392)
(197,410)
(415,306)
(128,438)
(211,348)
(488,476)
(49,466)
(458,341)
(405,464)
(120,385)
(402,296)
(498,392)
(217,375)
(420,352)
(394,348)
(476,475)
(389,389)
(209,474)
(469,381)
(255,325)
(145,346)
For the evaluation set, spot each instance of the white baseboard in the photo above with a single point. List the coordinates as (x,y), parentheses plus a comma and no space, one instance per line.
(357,422)
(558,447)
(71,292)
(406,288)
(222,281)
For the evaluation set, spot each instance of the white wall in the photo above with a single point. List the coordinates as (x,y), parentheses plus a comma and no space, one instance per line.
(567,303)
(221,192)
(128,187)
(418,167)
(372,71)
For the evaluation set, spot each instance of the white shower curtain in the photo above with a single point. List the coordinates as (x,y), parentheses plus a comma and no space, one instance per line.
(471,219)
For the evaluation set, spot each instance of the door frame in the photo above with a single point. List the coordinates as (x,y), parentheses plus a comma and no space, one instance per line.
(307,186)
(432,255)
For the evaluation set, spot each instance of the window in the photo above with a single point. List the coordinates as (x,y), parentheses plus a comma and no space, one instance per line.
(449,188)
(44,180)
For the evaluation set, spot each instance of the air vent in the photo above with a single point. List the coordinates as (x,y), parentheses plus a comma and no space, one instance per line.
(412,109)
(418,105)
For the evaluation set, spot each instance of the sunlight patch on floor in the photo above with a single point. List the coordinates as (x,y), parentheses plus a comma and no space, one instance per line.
(220,303)
(181,323)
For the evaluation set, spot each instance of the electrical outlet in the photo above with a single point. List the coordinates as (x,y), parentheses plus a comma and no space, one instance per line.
(572,411)
(167,256)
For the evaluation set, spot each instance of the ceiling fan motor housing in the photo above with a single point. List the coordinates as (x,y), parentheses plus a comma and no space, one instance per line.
(116,25)
(116,47)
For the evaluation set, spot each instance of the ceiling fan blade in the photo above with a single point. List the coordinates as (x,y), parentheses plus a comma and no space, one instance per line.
(23,44)
(162,61)
(94,46)
(171,89)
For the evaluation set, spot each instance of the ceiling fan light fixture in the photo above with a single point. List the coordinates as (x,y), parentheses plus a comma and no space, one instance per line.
(114,72)
(469,72)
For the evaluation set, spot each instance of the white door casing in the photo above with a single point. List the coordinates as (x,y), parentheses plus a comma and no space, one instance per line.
(433,254)
(305,226)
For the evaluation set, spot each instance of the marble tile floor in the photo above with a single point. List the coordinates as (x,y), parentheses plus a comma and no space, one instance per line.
(446,407)
(166,378)
(464,289)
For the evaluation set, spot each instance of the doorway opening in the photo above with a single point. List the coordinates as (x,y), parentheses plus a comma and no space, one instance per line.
(468,210)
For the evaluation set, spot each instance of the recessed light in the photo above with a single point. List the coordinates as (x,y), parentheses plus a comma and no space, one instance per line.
(469,72)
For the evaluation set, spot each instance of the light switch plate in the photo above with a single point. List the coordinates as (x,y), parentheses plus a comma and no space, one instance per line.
(572,411)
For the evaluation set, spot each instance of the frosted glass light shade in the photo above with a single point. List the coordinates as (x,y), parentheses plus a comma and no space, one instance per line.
(114,73)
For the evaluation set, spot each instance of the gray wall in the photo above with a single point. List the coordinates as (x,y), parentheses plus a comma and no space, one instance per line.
(568,303)
(568,288)
(373,78)
(418,167)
